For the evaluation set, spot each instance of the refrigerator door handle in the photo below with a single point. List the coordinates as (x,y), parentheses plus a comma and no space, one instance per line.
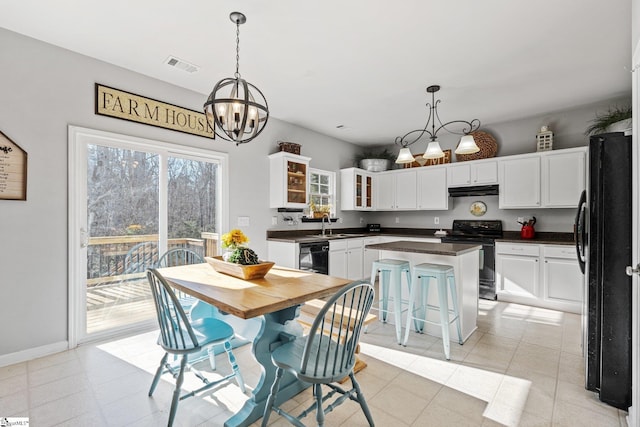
(580,232)
(633,270)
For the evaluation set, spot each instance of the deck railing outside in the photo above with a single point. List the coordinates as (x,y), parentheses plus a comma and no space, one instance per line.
(106,256)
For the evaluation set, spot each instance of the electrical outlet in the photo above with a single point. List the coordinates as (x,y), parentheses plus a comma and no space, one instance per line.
(274,220)
(243,221)
(339,220)
(397,220)
(520,219)
(436,220)
(361,220)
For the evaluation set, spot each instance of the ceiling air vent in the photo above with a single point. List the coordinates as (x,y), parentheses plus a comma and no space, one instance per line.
(182,65)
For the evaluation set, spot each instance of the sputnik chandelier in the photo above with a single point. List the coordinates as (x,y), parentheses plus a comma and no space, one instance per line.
(467,144)
(241,113)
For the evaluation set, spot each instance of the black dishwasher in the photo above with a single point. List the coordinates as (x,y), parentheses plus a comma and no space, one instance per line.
(314,257)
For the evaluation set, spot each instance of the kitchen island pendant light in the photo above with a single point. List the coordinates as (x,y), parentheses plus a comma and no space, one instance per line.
(466,145)
(242,113)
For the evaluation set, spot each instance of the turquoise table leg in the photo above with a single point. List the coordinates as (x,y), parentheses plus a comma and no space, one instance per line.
(277,328)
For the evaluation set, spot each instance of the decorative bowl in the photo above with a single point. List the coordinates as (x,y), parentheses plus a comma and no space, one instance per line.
(246,272)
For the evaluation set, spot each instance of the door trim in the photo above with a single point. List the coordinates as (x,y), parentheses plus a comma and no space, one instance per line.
(78,138)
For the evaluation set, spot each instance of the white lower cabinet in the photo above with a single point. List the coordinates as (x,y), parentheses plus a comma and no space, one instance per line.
(541,275)
(369,256)
(517,270)
(563,280)
(284,254)
(345,258)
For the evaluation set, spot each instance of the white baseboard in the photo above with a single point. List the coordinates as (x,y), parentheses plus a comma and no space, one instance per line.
(33,353)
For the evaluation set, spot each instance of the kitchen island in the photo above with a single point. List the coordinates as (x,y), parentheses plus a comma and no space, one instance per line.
(464,258)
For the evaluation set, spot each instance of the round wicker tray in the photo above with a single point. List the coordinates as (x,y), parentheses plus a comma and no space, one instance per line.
(487,144)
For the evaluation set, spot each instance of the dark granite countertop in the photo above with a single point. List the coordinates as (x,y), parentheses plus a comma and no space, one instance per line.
(452,249)
(541,238)
(305,236)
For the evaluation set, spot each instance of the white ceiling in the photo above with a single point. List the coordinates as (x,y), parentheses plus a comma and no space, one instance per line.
(361,64)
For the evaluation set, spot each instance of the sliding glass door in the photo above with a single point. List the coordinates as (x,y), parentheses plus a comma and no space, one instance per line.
(132,201)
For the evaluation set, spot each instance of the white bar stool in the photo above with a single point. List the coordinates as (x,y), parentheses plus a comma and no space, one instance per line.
(391,276)
(422,275)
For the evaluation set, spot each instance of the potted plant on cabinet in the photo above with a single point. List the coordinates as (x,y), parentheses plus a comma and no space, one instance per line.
(616,119)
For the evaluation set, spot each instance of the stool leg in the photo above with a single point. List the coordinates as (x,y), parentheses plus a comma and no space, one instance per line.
(396,282)
(383,284)
(410,315)
(444,313)
(454,297)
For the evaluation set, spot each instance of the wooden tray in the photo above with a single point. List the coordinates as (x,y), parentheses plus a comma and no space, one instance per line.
(246,272)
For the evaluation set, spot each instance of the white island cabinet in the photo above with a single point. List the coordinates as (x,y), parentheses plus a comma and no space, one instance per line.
(465,261)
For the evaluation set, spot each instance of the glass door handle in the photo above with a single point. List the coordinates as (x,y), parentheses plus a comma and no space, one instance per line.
(84,240)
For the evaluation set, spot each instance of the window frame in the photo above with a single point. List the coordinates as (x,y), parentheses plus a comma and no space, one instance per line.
(331,196)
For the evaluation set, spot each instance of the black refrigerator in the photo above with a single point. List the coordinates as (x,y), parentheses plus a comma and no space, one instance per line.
(603,241)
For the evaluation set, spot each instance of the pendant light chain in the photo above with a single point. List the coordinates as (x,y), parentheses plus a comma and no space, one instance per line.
(237,74)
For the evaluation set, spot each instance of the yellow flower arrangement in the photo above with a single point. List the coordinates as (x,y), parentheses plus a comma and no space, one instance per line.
(234,238)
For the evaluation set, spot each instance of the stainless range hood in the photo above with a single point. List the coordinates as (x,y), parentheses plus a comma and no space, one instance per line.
(474,190)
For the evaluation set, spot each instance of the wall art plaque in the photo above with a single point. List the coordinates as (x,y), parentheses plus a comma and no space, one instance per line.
(13,170)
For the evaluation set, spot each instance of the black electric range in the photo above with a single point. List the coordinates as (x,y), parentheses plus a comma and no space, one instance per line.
(484,233)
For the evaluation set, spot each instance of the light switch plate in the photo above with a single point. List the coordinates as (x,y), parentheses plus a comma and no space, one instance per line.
(274,220)
(243,221)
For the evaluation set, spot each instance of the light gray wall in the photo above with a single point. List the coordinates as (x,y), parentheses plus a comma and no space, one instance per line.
(635,18)
(43,90)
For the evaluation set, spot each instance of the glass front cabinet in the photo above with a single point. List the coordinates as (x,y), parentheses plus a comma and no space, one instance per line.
(289,180)
(356,187)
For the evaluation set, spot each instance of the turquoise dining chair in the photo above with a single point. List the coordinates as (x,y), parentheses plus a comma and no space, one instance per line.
(181,256)
(140,257)
(181,337)
(325,356)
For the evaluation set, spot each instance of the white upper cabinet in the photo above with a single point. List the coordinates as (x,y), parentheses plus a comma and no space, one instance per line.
(519,180)
(432,188)
(289,180)
(563,178)
(396,190)
(356,190)
(476,173)
(551,179)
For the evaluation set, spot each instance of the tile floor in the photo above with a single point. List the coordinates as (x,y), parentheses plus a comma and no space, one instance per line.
(522,367)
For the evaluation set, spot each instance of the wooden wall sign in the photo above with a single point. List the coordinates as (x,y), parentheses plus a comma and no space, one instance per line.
(128,106)
(419,161)
(13,170)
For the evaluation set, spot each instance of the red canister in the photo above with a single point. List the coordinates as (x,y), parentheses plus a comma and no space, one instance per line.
(527,232)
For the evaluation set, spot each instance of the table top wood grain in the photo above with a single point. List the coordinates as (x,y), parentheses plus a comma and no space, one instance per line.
(279,289)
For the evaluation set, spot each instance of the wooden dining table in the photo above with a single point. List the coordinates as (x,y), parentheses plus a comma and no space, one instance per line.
(274,301)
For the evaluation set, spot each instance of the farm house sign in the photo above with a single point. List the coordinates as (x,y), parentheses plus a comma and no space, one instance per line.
(128,106)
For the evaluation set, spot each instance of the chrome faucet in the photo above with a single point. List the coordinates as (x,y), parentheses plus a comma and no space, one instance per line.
(329,220)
